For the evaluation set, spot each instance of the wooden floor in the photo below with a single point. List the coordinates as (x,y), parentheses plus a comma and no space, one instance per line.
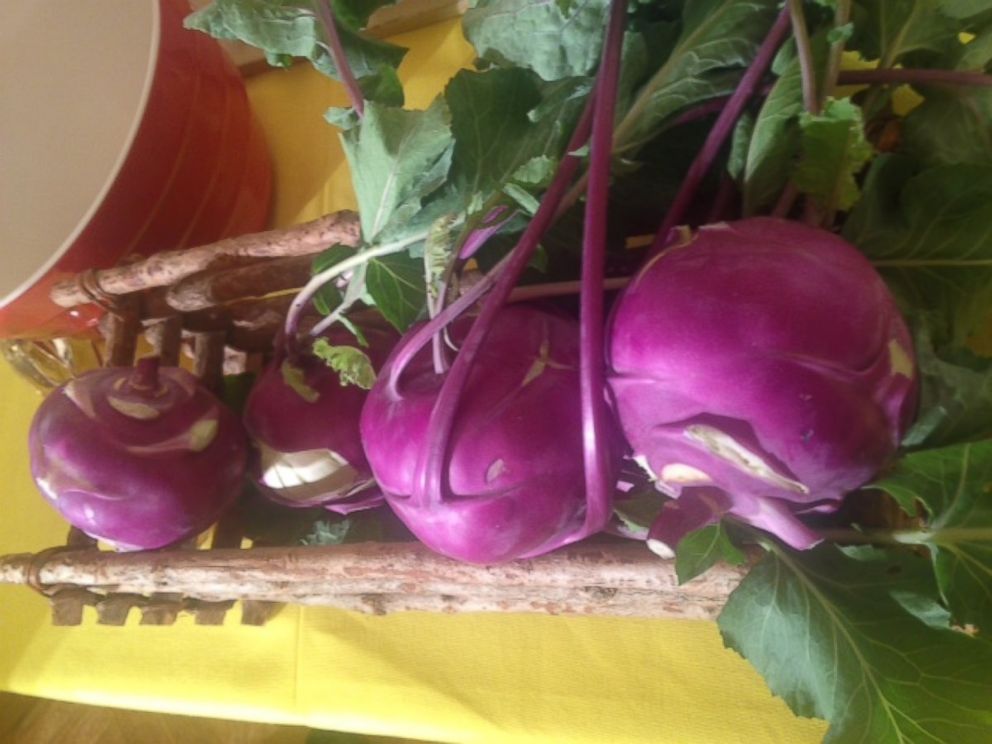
(25,720)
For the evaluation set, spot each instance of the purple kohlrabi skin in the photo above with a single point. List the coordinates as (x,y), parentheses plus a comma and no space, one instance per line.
(139,458)
(764,358)
(515,474)
(303,423)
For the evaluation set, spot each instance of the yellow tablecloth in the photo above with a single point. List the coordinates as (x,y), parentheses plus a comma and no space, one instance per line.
(482,678)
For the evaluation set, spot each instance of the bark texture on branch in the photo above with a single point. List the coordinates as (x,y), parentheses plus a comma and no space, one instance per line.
(209,288)
(167,268)
(373,577)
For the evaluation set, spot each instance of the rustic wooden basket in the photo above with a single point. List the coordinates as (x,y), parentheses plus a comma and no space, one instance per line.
(225,302)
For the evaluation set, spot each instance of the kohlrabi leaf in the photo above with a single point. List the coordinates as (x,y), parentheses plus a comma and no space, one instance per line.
(976,55)
(951,126)
(383,86)
(554,39)
(438,249)
(955,397)
(833,151)
(396,284)
(826,632)
(698,551)
(954,487)
(774,145)
(963,9)
(352,365)
(294,378)
(397,158)
(492,119)
(739,142)
(289,28)
(717,37)
(888,30)
(329,296)
(327,532)
(637,511)
(931,235)
(355,14)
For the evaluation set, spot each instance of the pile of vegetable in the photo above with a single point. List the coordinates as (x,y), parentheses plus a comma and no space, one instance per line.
(797,373)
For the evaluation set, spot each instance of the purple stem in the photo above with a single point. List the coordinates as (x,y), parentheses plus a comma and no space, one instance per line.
(429,485)
(592,374)
(713,106)
(144,377)
(413,342)
(722,129)
(326,16)
(723,201)
(786,200)
(901,75)
(493,223)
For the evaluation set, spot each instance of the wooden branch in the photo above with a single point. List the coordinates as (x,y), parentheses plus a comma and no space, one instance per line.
(615,579)
(217,287)
(165,336)
(166,268)
(208,358)
(123,328)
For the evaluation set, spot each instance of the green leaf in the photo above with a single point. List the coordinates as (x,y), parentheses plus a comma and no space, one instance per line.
(293,377)
(352,365)
(774,145)
(838,34)
(289,28)
(326,532)
(356,13)
(698,551)
(439,248)
(976,54)
(396,285)
(716,36)
(342,117)
(383,86)
(888,30)
(931,234)
(495,133)
(638,511)
(235,390)
(397,159)
(962,9)
(951,126)
(954,486)
(828,636)
(554,39)
(329,296)
(834,150)
(740,140)
(955,400)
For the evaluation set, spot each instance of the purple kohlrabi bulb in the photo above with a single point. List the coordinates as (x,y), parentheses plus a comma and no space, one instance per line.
(765,359)
(137,457)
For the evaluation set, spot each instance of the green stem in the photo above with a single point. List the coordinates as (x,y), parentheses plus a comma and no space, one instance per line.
(842,15)
(311,288)
(805,51)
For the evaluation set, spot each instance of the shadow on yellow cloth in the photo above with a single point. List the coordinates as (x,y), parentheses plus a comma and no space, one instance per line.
(482,678)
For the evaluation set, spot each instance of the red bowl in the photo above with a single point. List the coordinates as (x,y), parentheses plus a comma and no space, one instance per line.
(127,134)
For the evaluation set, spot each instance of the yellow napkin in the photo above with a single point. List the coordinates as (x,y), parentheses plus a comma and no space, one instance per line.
(477,678)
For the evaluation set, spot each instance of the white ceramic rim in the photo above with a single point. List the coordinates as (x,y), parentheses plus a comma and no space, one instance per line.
(122,156)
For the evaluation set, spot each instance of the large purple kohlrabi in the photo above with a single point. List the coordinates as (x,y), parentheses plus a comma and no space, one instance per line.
(138,458)
(515,473)
(764,359)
